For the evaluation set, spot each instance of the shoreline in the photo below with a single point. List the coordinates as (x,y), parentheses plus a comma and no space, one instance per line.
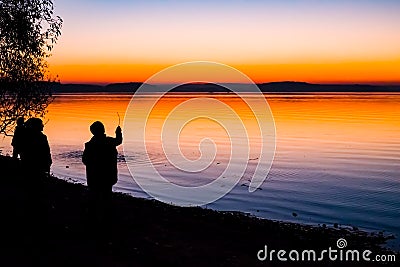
(351,227)
(147,232)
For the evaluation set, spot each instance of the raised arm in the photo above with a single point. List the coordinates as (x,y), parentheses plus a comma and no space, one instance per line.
(118,136)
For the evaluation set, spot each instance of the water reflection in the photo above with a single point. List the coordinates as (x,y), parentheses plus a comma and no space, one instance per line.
(337,158)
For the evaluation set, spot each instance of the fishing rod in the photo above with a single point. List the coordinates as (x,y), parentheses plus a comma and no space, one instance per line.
(119,119)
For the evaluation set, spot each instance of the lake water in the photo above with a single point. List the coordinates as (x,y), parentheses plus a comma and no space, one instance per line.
(337,155)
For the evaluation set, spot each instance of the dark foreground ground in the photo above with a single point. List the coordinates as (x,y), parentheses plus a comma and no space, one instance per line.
(55,232)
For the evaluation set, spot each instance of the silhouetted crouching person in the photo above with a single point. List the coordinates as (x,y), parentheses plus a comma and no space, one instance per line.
(100,158)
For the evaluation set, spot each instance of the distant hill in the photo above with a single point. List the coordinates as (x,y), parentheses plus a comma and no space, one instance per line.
(308,87)
(276,87)
(90,88)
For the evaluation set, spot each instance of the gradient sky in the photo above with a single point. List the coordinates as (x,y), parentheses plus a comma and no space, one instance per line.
(313,41)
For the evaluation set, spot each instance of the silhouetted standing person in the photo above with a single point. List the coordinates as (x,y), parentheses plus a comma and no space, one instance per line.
(36,162)
(100,158)
(18,138)
(35,150)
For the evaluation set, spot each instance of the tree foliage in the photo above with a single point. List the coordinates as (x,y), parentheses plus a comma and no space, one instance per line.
(28,31)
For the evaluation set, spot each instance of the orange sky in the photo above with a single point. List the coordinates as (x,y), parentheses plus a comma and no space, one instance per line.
(385,72)
(311,41)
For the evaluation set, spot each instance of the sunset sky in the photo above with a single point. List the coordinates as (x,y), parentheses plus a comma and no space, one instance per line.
(298,40)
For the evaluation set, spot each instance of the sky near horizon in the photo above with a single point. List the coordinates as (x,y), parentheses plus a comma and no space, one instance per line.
(299,40)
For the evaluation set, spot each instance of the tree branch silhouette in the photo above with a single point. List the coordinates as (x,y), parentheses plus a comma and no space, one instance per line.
(28,32)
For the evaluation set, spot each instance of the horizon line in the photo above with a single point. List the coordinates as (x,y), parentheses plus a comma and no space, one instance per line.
(377,83)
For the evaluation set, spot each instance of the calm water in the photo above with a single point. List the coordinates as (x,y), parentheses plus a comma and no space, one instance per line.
(337,156)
